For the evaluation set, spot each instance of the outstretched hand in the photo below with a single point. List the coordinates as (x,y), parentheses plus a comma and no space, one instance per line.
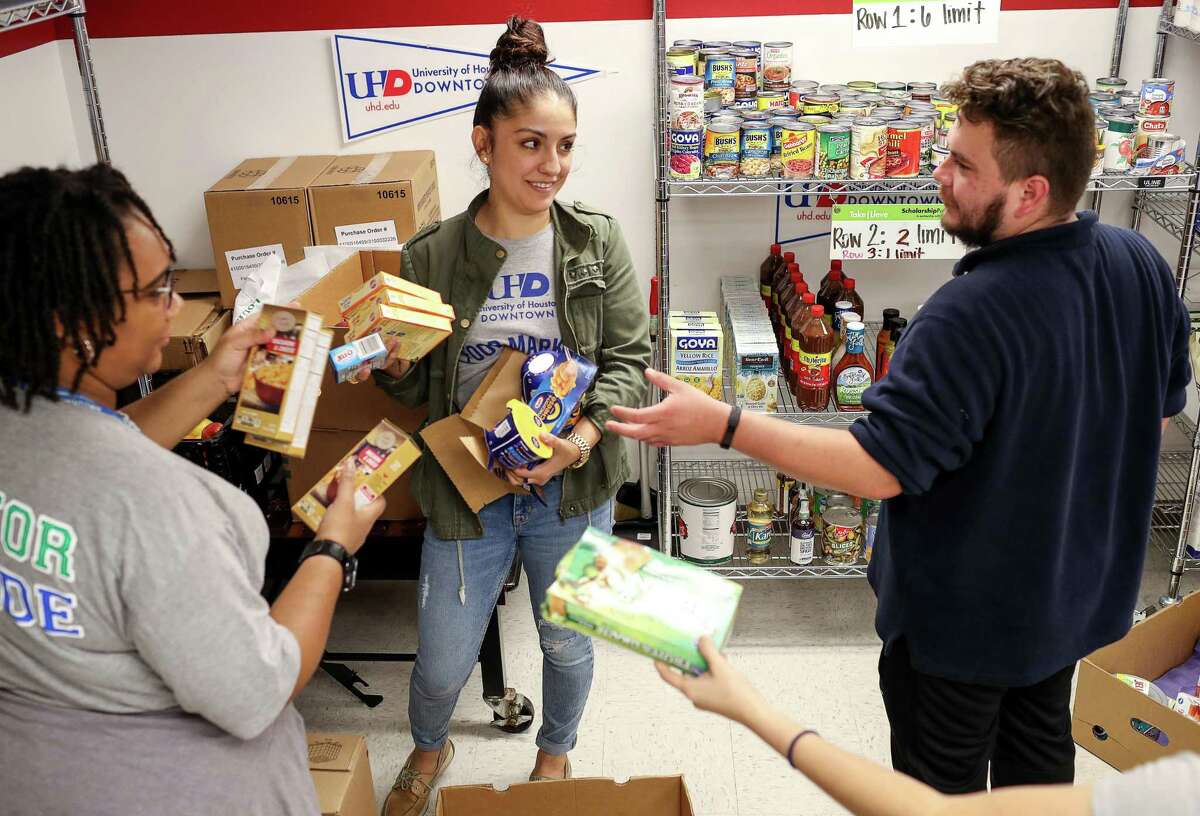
(722,689)
(685,416)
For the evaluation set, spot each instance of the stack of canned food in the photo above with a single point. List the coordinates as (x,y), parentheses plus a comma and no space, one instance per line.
(736,111)
(1132,128)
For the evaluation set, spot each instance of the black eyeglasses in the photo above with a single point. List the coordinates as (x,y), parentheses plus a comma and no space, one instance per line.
(166,292)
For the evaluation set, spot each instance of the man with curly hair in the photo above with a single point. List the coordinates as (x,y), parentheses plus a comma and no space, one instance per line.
(1015,439)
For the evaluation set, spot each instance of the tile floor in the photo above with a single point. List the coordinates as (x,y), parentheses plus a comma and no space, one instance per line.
(809,645)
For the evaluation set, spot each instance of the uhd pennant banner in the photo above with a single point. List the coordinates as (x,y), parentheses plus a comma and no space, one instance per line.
(385,84)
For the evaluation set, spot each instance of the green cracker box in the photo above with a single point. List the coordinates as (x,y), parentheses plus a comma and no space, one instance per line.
(641,599)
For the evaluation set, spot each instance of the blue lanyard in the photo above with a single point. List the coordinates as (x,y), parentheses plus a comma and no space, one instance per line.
(74,398)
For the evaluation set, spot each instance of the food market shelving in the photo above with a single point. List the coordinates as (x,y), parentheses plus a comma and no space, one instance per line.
(747,476)
(1165,26)
(23,13)
(1169,211)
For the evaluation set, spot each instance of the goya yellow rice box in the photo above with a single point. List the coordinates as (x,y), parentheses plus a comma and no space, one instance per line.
(418,332)
(641,599)
(380,281)
(273,389)
(696,357)
(379,460)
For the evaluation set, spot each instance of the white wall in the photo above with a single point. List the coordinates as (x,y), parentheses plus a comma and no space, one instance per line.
(42,106)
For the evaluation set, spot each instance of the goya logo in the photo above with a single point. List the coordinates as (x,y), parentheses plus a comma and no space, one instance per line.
(687,138)
(386,84)
(696,343)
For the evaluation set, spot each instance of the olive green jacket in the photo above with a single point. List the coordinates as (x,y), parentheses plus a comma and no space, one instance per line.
(601,315)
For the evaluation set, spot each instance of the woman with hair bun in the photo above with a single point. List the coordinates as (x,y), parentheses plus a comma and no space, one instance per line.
(525,271)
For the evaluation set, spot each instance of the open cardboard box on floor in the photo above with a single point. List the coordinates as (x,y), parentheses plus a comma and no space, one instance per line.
(641,796)
(341,773)
(1104,706)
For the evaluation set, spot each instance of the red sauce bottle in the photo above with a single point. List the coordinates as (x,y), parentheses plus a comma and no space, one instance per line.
(800,315)
(898,327)
(835,265)
(766,273)
(781,276)
(850,293)
(831,292)
(816,341)
(881,339)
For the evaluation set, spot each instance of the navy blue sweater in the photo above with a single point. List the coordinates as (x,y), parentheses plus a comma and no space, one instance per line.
(1022,417)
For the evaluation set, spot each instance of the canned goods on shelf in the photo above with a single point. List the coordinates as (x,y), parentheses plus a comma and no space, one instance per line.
(819,103)
(841,535)
(891,86)
(682,61)
(1156,96)
(777,63)
(746,70)
(862,85)
(903,149)
(707,516)
(722,144)
(719,73)
(687,152)
(1110,84)
(687,102)
(868,148)
(1118,144)
(755,150)
(798,150)
(833,152)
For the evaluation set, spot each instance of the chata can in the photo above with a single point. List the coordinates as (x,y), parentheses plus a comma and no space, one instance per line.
(903,149)
(777,62)
(681,61)
(687,151)
(756,150)
(1156,97)
(719,73)
(868,149)
(833,152)
(1148,126)
(798,152)
(721,146)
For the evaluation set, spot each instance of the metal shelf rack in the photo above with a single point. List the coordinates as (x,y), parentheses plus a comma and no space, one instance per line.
(23,13)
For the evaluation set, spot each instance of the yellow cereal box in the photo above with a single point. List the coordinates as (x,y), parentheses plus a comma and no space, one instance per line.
(298,445)
(360,316)
(418,332)
(274,388)
(383,280)
(379,460)
(696,357)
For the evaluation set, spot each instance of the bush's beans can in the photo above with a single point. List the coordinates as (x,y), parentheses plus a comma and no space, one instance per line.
(687,102)
(799,89)
(756,150)
(777,126)
(720,71)
(798,153)
(777,63)
(702,57)
(722,144)
(687,151)
(833,152)
(682,61)
(726,119)
(771,100)
(943,133)
(1110,84)
(868,149)
(1148,126)
(1156,97)
(862,86)
(903,149)
(707,513)
(746,69)
(819,103)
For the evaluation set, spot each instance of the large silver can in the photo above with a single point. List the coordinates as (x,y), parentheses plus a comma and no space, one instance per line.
(707,514)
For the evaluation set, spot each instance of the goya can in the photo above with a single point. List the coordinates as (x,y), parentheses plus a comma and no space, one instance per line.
(776,63)
(1156,97)
(746,73)
(687,152)
(842,535)
(771,100)
(833,152)
(798,153)
(756,150)
(719,73)
(681,61)
(1148,126)
(904,149)
(707,515)
(746,103)
(862,86)
(722,144)
(868,149)
(687,102)
(819,103)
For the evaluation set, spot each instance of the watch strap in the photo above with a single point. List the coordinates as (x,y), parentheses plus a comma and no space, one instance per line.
(585,449)
(326,546)
(735,416)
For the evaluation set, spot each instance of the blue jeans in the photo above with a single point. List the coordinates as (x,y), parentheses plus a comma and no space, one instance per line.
(451,631)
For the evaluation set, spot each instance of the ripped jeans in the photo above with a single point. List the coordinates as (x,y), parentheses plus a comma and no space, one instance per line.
(451,631)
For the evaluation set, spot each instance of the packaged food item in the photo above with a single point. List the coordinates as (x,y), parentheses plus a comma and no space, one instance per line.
(755,157)
(803,535)
(1157,96)
(380,458)
(1118,144)
(696,358)
(1166,157)
(1188,705)
(516,441)
(870,527)
(380,281)
(707,515)
(777,62)
(349,358)
(687,102)
(833,152)
(798,153)
(759,528)
(903,149)
(842,535)
(755,368)
(868,148)
(297,446)
(418,332)
(1144,686)
(719,73)
(360,315)
(641,599)
(687,151)
(274,388)
(553,384)
(722,146)
(681,61)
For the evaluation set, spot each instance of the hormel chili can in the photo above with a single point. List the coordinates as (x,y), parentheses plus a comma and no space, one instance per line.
(903,149)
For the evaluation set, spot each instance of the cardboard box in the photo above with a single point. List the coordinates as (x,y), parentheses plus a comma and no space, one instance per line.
(194,333)
(257,209)
(640,796)
(374,199)
(1105,706)
(325,449)
(341,773)
(196,282)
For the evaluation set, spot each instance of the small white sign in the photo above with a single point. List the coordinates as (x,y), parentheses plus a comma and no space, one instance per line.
(891,232)
(368,235)
(244,261)
(892,23)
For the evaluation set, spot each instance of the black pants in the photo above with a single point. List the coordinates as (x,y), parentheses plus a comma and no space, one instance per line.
(945,733)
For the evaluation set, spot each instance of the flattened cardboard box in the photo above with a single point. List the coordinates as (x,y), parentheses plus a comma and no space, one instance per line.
(341,772)
(640,796)
(195,331)
(1104,706)
(258,206)
(375,199)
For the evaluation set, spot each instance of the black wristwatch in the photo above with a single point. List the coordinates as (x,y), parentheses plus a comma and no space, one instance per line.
(735,416)
(324,546)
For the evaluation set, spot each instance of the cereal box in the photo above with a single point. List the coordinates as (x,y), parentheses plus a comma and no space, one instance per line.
(297,447)
(360,314)
(418,332)
(348,359)
(379,460)
(641,599)
(696,357)
(381,281)
(273,390)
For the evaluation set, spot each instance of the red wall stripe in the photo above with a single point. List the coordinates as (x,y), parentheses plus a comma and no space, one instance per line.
(153,18)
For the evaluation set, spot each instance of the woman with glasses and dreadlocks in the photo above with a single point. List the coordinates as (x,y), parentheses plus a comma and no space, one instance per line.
(140,669)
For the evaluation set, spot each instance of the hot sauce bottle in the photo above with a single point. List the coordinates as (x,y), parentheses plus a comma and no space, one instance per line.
(766,273)
(881,339)
(816,341)
(799,316)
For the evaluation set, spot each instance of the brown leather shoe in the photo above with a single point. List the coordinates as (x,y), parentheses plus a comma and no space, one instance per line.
(566,775)
(410,793)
